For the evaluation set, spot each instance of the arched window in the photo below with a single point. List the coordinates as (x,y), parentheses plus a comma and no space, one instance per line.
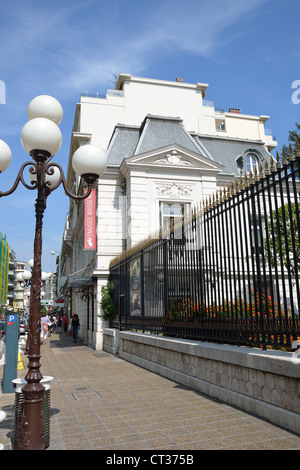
(251,162)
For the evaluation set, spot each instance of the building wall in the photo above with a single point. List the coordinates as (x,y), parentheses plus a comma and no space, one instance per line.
(128,197)
(4,266)
(110,219)
(140,97)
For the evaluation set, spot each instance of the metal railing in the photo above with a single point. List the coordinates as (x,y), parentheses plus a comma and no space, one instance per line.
(109,92)
(230,273)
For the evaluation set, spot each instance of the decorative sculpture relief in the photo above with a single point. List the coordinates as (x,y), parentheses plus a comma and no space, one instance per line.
(174,190)
(173,159)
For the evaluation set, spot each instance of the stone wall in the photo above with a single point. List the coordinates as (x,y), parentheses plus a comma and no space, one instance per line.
(263,383)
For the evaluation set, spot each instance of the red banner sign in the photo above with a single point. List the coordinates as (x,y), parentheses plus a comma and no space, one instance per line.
(90,236)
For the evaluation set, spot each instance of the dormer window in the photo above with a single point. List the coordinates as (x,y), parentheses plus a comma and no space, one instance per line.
(248,161)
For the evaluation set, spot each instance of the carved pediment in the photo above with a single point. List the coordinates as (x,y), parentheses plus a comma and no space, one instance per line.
(172,157)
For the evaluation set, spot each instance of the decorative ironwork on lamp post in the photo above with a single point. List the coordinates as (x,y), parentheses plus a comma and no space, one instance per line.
(41,138)
(24,278)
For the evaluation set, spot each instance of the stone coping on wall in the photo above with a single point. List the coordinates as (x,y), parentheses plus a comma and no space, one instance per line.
(275,362)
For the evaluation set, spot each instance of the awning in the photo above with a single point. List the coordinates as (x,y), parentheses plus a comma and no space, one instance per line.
(77,282)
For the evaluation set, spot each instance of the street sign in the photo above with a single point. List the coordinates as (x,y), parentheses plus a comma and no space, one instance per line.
(11,352)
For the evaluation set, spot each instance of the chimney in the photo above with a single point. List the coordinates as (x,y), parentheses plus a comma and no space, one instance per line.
(179,79)
(234,110)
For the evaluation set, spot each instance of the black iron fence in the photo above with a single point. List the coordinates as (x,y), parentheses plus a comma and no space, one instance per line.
(229,273)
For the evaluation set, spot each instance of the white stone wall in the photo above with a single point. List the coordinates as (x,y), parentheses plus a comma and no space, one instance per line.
(140,97)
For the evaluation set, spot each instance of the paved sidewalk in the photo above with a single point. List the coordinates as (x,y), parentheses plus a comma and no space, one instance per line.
(99,401)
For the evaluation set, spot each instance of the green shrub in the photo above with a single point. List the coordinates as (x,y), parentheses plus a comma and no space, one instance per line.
(107,303)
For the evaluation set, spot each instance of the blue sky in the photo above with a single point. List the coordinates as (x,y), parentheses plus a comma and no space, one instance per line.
(248,53)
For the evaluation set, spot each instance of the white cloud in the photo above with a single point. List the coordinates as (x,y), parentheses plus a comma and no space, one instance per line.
(193,26)
(74,46)
(201,27)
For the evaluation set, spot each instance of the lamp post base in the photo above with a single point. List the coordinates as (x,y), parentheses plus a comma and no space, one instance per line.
(32,428)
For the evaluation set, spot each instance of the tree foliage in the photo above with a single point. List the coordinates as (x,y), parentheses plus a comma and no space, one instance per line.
(293,137)
(283,237)
(107,303)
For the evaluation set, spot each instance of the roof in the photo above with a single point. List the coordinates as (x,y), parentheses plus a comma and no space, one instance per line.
(227,150)
(160,131)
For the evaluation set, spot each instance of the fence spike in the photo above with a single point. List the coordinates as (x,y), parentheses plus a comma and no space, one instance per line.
(233,188)
(297,151)
(251,179)
(241,182)
(261,173)
(284,160)
(246,180)
(272,166)
(224,194)
(237,186)
(256,174)
(278,165)
(267,172)
(291,156)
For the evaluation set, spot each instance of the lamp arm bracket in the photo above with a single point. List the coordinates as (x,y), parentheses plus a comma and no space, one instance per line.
(20,178)
(89,179)
(49,170)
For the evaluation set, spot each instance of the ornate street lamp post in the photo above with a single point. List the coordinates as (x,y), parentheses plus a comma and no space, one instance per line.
(41,138)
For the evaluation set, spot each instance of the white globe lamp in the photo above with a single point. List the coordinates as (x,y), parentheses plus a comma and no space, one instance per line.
(41,134)
(47,107)
(44,276)
(5,156)
(26,275)
(89,159)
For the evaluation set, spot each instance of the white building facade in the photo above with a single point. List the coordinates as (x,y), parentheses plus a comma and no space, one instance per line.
(168,149)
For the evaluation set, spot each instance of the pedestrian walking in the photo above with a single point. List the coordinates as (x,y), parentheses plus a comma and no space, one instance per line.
(65,324)
(45,324)
(75,327)
(54,323)
(59,324)
(70,326)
